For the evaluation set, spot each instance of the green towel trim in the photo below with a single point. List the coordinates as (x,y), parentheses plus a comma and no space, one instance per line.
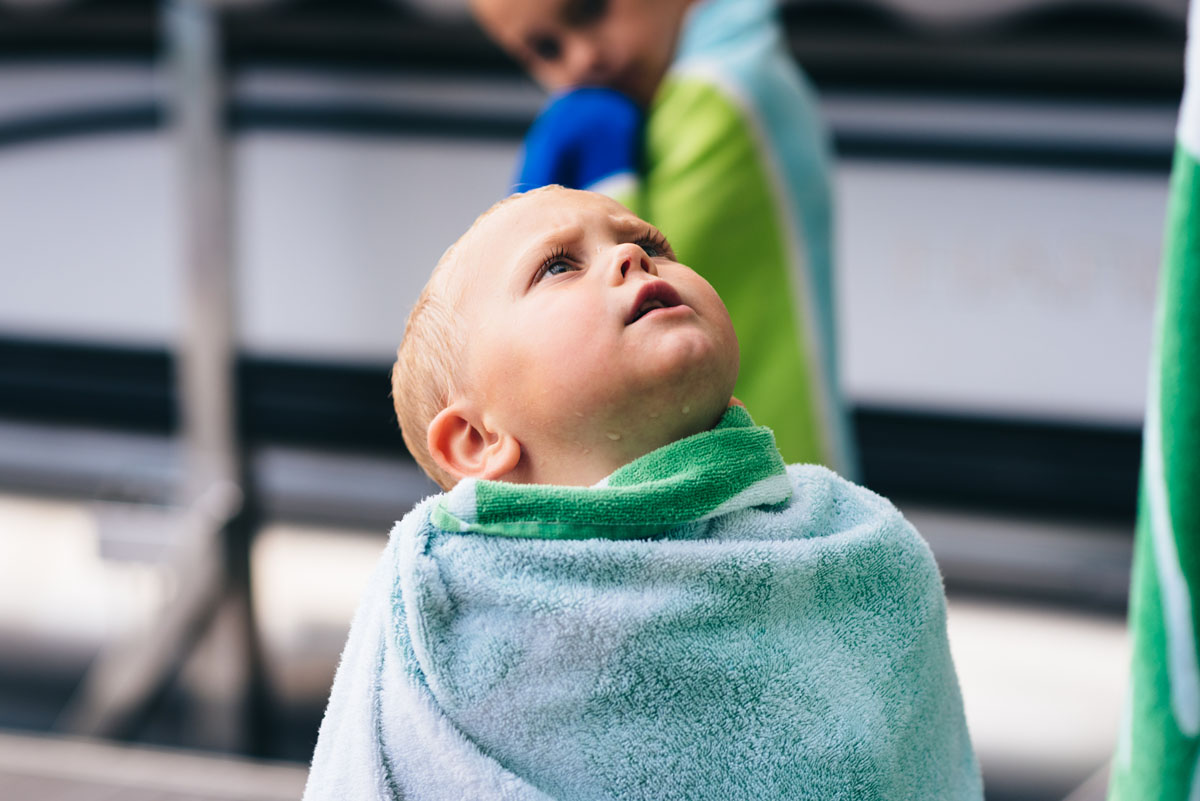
(733,465)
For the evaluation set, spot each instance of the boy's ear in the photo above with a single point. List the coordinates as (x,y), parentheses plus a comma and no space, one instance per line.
(463,446)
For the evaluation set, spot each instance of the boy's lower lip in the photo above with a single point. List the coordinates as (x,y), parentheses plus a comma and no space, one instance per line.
(668,311)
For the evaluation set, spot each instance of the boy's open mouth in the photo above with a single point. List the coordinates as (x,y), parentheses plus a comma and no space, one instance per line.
(652,296)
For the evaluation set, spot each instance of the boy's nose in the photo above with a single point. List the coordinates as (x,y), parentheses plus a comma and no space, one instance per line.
(631,258)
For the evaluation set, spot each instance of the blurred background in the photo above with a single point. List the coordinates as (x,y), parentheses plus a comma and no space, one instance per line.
(213,224)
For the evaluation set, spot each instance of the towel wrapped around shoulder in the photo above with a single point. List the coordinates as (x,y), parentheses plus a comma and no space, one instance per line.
(703,624)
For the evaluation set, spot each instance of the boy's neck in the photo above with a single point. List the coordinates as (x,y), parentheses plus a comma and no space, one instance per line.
(584,462)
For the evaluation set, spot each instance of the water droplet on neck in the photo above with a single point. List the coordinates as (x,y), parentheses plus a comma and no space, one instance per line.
(687,409)
(613,435)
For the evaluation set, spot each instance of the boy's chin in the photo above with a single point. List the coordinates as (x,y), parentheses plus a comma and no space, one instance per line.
(682,351)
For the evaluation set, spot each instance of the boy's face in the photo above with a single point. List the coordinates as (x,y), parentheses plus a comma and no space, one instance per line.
(588,341)
(625,45)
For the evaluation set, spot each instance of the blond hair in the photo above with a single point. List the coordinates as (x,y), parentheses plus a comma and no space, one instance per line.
(427,364)
(428,367)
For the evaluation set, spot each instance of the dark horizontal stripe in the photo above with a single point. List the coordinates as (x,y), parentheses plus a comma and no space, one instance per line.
(1052,49)
(1081,20)
(1043,467)
(365,120)
(344,119)
(81,123)
(380,121)
(1047,71)
(972,461)
(131,388)
(123,387)
(1027,153)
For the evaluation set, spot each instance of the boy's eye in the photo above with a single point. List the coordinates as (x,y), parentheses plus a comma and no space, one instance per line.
(556,264)
(655,245)
(579,13)
(547,48)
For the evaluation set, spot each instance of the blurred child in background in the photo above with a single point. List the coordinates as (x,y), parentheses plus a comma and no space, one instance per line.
(693,115)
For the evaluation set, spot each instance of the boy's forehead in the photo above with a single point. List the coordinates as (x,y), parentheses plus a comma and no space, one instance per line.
(523,221)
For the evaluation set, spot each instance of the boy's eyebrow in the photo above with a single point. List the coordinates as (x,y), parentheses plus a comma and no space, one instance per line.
(628,225)
(636,226)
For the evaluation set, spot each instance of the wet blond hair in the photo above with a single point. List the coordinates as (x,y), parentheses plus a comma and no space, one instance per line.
(427,372)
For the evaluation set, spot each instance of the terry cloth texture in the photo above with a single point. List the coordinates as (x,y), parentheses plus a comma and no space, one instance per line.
(1158,753)
(705,624)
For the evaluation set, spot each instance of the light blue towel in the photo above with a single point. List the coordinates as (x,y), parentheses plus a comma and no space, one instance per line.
(786,640)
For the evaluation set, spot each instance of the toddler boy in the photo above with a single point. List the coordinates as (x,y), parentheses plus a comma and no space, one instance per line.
(624,593)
